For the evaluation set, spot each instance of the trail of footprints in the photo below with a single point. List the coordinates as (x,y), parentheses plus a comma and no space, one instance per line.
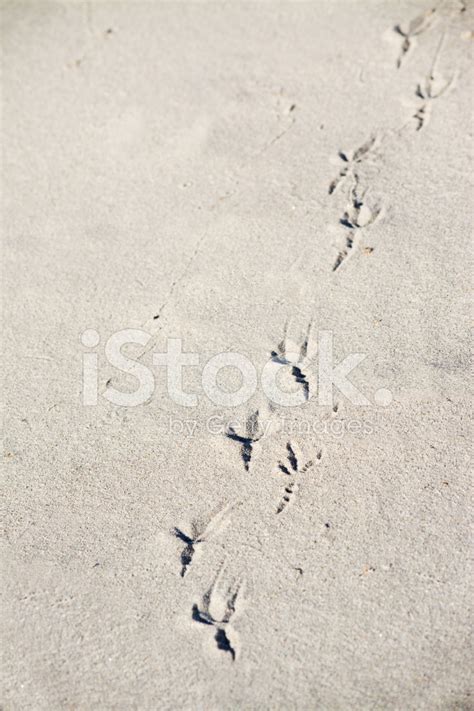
(220,604)
(358,214)
(215,609)
(434,84)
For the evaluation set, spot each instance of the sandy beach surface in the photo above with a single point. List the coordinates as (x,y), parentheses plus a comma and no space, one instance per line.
(279,181)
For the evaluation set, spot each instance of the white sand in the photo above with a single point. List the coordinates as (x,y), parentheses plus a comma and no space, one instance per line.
(176,159)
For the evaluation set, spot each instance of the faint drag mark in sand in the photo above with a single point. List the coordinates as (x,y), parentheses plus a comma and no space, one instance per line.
(178,279)
(200,533)
(93,35)
(151,326)
(292,469)
(248,440)
(410,32)
(216,610)
(286,129)
(287,354)
(287,116)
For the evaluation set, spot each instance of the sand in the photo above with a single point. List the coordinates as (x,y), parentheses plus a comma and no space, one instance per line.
(245,177)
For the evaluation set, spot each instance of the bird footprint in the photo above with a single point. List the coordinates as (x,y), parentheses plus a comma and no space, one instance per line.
(351,161)
(357,215)
(217,611)
(200,533)
(287,353)
(247,441)
(416,27)
(432,88)
(291,468)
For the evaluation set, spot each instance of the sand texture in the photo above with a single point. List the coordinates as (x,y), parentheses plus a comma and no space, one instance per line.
(247,177)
